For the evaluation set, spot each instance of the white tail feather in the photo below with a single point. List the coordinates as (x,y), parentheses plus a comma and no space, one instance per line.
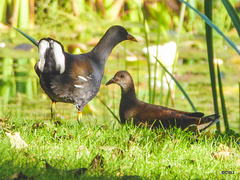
(43,46)
(59,56)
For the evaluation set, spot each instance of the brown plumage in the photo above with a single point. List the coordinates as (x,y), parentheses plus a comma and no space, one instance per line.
(153,115)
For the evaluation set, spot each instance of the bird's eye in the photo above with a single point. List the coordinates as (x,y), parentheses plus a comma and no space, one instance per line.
(122,75)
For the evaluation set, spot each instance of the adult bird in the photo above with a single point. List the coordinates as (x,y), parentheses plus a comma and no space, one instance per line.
(153,115)
(72,78)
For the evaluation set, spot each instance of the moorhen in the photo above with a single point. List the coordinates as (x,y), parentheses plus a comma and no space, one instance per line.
(153,115)
(72,78)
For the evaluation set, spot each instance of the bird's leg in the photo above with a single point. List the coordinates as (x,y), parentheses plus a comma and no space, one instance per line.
(79,117)
(53,110)
(199,121)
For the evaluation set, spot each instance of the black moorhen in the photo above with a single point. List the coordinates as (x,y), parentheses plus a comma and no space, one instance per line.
(153,115)
(75,78)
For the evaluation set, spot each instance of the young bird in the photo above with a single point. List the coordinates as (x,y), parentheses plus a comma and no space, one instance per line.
(153,115)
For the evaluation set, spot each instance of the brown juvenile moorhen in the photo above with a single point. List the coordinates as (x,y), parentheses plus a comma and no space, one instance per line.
(153,115)
(75,78)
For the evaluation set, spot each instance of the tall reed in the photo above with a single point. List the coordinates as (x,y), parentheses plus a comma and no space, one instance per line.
(209,26)
(208,12)
(178,84)
(223,105)
(146,32)
(233,14)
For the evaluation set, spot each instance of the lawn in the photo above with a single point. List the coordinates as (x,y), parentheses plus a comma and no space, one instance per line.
(101,148)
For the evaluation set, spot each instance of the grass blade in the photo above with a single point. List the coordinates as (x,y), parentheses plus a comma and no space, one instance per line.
(212,25)
(224,110)
(146,31)
(109,109)
(178,84)
(208,12)
(233,14)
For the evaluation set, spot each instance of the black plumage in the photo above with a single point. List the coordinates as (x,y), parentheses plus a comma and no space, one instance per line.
(153,115)
(72,78)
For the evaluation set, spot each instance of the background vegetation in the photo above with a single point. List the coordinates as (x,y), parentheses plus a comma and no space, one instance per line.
(79,24)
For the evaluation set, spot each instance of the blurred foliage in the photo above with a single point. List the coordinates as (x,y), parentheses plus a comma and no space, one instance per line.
(79,15)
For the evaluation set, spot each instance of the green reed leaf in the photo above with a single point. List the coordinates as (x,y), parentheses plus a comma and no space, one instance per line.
(210,23)
(233,14)
(109,109)
(178,85)
(209,40)
(224,110)
(27,36)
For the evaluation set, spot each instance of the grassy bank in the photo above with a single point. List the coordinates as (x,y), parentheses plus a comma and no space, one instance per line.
(101,148)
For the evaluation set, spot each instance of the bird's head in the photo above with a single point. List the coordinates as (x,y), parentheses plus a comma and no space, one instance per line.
(120,33)
(123,79)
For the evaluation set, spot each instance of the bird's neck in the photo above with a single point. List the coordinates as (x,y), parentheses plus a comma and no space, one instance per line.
(103,49)
(129,95)
(128,101)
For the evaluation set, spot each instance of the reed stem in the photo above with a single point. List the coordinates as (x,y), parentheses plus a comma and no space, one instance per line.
(208,12)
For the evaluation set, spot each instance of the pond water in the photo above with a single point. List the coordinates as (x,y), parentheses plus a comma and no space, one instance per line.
(22,97)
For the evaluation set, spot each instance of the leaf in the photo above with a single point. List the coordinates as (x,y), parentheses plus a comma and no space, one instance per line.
(27,36)
(109,109)
(223,152)
(115,151)
(16,140)
(210,23)
(82,151)
(209,41)
(224,109)
(97,162)
(233,14)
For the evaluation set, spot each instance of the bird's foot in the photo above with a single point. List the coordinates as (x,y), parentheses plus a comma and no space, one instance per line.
(79,117)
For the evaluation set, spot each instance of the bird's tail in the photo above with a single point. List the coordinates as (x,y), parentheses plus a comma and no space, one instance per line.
(51,54)
(208,121)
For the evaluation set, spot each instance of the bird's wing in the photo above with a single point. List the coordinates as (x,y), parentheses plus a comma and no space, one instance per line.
(161,115)
(80,66)
(192,114)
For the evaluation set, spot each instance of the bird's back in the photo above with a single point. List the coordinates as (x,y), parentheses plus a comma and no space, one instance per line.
(157,116)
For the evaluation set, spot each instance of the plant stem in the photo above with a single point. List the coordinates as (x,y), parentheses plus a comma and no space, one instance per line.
(208,12)
(224,110)
(148,60)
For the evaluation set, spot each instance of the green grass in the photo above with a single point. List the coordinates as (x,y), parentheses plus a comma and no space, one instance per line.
(127,151)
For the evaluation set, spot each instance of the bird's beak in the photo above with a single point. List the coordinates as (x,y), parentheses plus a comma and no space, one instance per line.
(131,38)
(111,81)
